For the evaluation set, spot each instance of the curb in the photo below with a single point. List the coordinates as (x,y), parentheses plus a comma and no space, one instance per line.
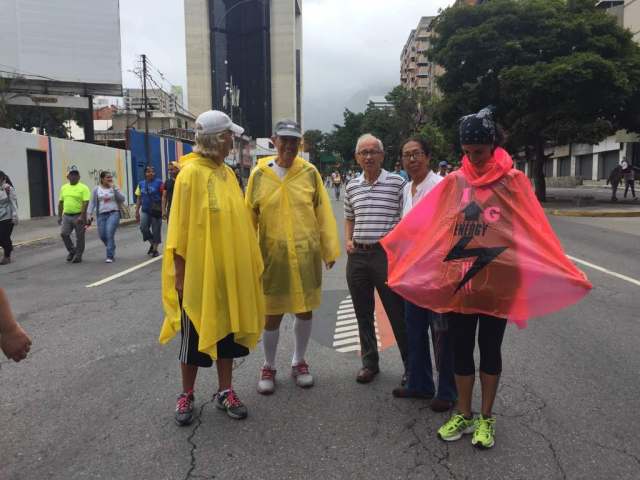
(594,213)
(26,243)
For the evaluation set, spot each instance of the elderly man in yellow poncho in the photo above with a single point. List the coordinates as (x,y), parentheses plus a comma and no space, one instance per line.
(211,287)
(297,232)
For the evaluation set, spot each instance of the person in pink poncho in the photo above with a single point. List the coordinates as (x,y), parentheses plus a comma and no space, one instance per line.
(479,249)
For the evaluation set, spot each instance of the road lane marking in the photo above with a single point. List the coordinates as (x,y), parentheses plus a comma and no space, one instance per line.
(124,272)
(604,270)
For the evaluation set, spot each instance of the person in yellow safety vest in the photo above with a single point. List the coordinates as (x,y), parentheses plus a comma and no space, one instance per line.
(297,233)
(211,288)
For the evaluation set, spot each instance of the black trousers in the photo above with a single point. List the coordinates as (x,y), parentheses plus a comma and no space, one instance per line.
(630,184)
(366,271)
(462,330)
(6,227)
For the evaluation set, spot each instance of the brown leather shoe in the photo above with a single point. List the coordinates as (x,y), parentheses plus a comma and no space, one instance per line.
(366,375)
(402,392)
(439,405)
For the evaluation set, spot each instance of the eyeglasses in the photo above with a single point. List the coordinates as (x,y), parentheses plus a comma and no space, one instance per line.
(367,153)
(410,155)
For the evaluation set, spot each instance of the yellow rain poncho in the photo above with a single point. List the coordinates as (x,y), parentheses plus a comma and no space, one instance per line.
(297,232)
(211,229)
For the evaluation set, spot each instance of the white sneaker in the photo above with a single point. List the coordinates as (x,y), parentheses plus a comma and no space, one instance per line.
(109,260)
(301,373)
(267,383)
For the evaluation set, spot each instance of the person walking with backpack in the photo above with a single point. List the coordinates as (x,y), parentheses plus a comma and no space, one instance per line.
(105,203)
(149,209)
(8,216)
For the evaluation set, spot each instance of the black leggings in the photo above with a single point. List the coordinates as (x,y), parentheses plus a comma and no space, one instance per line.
(462,330)
(6,227)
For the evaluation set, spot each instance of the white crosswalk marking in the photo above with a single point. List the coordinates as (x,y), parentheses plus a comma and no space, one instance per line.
(346,337)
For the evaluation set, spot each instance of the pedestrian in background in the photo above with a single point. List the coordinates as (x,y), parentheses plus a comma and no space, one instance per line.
(105,204)
(336,180)
(373,206)
(211,271)
(298,233)
(615,177)
(14,341)
(398,170)
(72,214)
(629,175)
(149,209)
(443,168)
(8,216)
(416,157)
(167,194)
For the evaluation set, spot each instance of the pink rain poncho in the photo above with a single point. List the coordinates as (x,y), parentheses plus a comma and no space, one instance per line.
(481,243)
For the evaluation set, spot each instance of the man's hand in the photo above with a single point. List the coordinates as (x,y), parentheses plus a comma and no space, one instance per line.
(329,265)
(82,220)
(15,344)
(59,220)
(137,216)
(350,247)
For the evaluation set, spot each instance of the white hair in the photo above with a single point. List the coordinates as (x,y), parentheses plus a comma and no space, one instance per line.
(367,137)
(209,144)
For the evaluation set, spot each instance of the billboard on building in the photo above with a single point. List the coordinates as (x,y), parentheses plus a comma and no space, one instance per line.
(62,46)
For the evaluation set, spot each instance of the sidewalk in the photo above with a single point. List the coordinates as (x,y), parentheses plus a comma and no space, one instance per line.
(37,230)
(590,202)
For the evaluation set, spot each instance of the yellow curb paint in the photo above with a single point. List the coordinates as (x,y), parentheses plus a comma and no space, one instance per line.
(594,213)
(34,240)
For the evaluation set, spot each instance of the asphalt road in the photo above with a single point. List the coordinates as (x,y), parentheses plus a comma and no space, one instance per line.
(96,397)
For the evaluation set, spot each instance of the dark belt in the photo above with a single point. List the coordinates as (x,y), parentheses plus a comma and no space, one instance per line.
(367,246)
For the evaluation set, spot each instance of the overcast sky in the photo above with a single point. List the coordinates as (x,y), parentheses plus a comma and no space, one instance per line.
(351,48)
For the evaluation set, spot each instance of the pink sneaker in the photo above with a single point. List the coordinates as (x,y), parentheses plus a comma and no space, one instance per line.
(301,373)
(267,383)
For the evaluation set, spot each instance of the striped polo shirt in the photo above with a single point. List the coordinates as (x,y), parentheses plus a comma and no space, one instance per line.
(375,208)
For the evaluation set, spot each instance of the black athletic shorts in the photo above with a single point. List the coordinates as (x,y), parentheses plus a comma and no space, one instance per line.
(189,353)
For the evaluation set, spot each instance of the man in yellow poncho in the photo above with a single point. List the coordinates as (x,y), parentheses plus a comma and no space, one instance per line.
(211,288)
(298,232)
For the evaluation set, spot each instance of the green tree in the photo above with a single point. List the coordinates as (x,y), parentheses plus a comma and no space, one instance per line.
(558,72)
(313,140)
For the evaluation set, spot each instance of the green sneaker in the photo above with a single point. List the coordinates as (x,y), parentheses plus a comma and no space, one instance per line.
(455,427)
(483,437)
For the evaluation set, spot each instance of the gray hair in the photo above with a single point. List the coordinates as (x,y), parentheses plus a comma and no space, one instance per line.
(366,137)
(209,144)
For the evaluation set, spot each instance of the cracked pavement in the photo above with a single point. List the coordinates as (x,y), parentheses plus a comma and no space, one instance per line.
(96,397)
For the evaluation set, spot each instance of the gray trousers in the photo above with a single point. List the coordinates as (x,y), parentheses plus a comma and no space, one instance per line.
(366,271)
(69,224)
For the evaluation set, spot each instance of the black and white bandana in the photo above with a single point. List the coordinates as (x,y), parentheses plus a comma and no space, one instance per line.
(478,128)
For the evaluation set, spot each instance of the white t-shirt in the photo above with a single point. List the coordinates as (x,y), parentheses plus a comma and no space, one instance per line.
(107,201)
(429,182)
(280,171)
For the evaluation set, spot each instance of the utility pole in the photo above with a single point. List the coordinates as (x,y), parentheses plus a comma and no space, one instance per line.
(146,111)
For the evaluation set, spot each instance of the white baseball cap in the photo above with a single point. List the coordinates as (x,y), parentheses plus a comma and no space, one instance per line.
(215,121)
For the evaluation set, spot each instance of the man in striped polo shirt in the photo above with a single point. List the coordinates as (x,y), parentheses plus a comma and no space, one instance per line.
(372,208)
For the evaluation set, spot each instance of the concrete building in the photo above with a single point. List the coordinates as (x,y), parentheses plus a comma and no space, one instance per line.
(381,103)
(157,100)
(245,57)
(416,70)
(627,12)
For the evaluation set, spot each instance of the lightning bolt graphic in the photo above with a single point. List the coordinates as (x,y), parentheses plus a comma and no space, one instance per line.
(484,257)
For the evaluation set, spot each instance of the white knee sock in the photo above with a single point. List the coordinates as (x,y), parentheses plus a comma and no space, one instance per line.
(270,340)
(302,331)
